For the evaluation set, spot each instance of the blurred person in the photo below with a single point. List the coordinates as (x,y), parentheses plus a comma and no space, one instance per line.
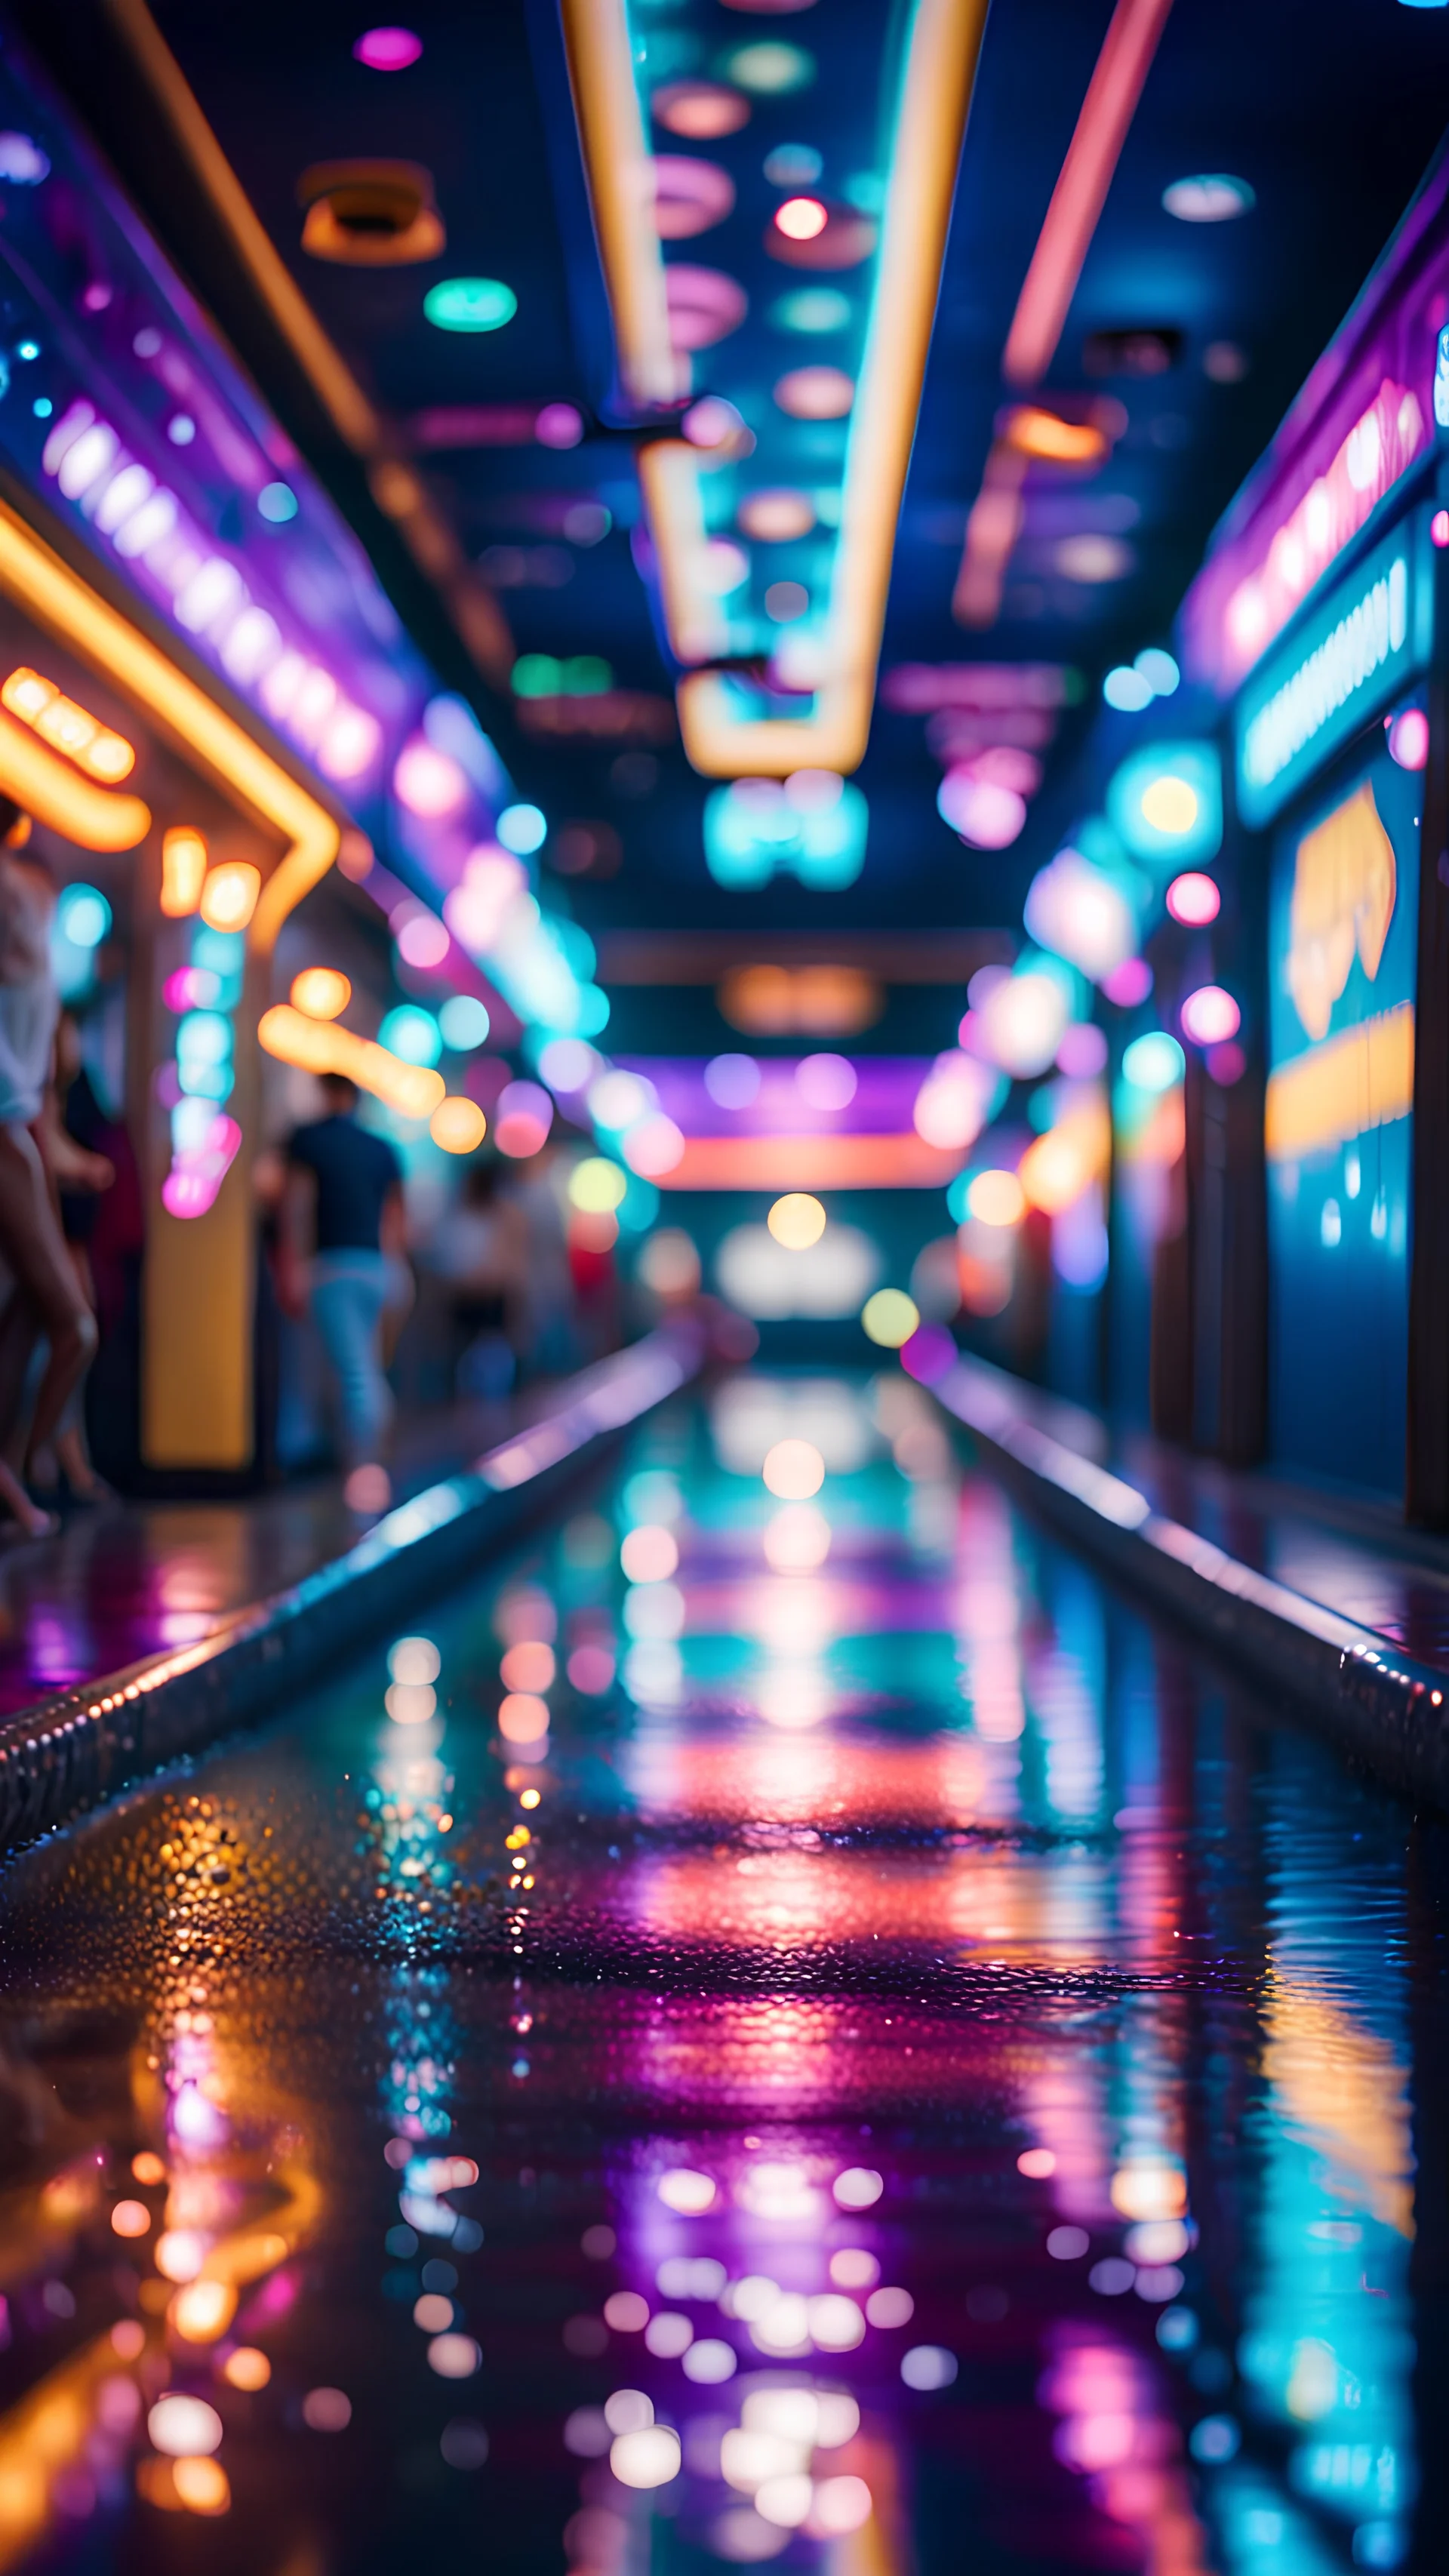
(480,1252)
(341,1241)
(546,1335)
(73,1118)
(46,1298)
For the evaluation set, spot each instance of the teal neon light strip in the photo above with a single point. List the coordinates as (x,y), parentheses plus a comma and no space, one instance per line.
(1339,669)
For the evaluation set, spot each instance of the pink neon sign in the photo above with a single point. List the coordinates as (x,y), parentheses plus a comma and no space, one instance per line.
(197,1171)
(1381,446)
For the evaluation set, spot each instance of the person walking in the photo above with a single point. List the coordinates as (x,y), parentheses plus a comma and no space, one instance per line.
(46,1298)
(340,1241)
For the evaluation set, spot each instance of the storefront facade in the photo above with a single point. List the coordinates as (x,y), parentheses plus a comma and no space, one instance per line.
(1318,620)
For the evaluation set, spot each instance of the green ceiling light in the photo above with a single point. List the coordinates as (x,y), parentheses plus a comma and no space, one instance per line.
(770,69)
(470,304)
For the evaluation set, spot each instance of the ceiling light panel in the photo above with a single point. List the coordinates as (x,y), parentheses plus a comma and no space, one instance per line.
(810,394)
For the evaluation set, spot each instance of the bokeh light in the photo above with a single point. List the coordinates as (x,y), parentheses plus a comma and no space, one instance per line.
(796,1221)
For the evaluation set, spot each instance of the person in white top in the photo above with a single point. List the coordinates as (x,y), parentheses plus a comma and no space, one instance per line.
(47,1297)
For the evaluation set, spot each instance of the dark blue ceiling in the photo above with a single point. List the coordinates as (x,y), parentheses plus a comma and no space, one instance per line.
(1331,115)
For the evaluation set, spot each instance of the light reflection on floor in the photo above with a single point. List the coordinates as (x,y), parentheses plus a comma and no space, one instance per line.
(826,2042)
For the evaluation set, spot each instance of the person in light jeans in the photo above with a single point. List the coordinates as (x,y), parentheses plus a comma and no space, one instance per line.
(339,1257)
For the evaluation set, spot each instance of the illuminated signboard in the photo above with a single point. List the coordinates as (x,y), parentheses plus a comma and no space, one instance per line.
(1339,669)
(1338,1122)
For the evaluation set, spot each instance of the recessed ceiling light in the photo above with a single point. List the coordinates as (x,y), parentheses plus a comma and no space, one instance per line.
(470,304)
(815,393)
(1127,690)
(801,218)
(388,49)
(1211,199)
(1158,669)
(690,196)
(771,70)
(776,517)
(1093,558)
(793,165)
(814,309)
(702,110)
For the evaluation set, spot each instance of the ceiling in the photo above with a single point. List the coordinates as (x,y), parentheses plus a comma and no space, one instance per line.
(1331,131)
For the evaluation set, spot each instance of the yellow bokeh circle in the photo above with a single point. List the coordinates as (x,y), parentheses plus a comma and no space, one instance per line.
(458,1125)
(597,1186)
(890,1317)
(797,1220)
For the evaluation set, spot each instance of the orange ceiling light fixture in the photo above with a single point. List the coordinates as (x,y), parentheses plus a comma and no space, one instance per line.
(183,871)
(1049,440)
(1081,191)
(321,991)
(230,894)
(44,785)
(320,1046)
(939,58)
(105,756)
(60,601)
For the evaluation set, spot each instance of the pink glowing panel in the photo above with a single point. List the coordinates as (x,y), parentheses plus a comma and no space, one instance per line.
(1194,899)
(428,782)
(559,425)
(388,49)
(988,816)
(1227,1063)
(801,218)
(826,1081)
(1083,1050)
(1210,1015)
(1005,764)
(928,1354)
(476,910)
(704,305)
(1381,446)
(422,940)
(815,393)
(523,1119)
(191,1185)
(1439,528)
(191,988)
(712,422)
(1409,739)
(690,196)
(654,1147)
(1129,984)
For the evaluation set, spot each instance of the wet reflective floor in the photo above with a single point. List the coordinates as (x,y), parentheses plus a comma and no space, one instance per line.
(774,2028)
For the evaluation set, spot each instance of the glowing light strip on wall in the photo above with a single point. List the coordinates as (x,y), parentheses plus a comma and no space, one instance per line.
(41,783)
(1363,1078)
(904,1162)
(1380,447)
(938,74)
(206,593)
(1345,662)
(64,604)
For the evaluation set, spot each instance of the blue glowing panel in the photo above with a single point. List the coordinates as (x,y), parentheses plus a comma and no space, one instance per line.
(1342,931)
(1340,666)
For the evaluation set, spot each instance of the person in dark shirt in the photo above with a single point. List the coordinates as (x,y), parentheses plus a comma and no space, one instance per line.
(342,1233)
